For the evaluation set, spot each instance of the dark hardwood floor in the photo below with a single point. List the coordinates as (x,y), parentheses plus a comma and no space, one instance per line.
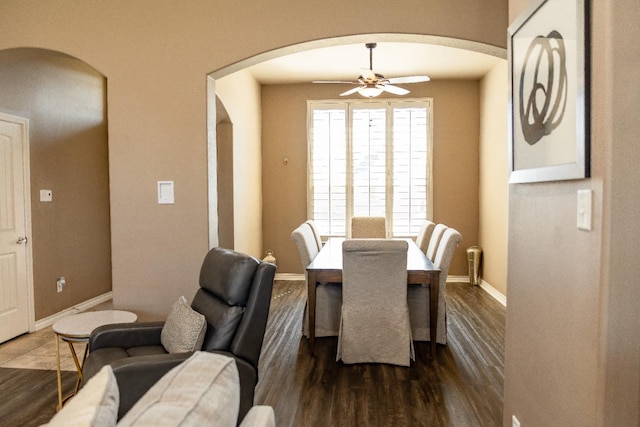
(462,386)
(28,397)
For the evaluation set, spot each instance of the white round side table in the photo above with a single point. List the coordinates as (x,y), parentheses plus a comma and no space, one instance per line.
(77,328)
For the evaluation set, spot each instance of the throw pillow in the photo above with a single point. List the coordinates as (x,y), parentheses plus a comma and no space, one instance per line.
(184,329)
(95,405)
(202,390)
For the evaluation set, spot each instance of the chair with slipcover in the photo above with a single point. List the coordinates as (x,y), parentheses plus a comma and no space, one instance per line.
(418,296)
(373,227)
(328,295)
(424,235)
(434,241)
(316,233)
(374,323)
(233,305)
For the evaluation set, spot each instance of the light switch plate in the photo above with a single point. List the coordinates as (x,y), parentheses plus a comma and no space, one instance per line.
(584,209)
(46,195)
(165,193)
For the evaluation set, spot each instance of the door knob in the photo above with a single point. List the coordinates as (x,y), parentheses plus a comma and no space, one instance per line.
(21,240)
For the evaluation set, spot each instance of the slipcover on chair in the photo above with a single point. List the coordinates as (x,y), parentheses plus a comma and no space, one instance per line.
(374,324)
(316,232)
(306,243)
(418,296)
(328,295)
(368,227)
(424,235)
(434,241)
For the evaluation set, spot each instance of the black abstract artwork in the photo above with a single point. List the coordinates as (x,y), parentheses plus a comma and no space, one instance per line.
(549,92)
(544,73)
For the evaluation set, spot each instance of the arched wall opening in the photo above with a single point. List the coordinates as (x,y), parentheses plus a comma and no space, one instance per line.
(65,101)
(285,184)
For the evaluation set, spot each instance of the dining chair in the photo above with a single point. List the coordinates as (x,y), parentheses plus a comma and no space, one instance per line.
(368,227)
(434,241)
(316,233)
(374,322)
(328,295)
(306,243)
(424,235)
(418,296)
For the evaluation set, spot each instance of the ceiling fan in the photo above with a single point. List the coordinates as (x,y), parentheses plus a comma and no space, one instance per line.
(371,84)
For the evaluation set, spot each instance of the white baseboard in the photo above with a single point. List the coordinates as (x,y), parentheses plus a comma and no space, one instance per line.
(48,321)
(496,294)
(290,276)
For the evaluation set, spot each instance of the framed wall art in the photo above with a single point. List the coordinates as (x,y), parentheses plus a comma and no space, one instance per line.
(549,92)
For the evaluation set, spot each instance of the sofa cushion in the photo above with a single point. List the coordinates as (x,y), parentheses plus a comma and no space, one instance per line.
(184,329)
(146,350)
(96,405)
(201,390)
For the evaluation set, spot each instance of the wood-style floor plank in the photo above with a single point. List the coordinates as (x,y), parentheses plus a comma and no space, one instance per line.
(28,397)
(462,386)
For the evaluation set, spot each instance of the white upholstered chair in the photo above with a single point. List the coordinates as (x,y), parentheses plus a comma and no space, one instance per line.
(306,243)
(316,233)
(328,295)
(424,235)
(418,296)
(368,227)
(374,324)
(434,241)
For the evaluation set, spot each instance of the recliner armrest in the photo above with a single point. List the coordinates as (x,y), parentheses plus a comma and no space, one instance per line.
(126,335)
(136,375)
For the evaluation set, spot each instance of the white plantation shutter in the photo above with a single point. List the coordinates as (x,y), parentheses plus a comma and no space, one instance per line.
(410,130)
(369,159)
(328,169)
(368,170)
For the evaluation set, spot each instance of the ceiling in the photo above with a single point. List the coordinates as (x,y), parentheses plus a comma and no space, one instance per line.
(392,59)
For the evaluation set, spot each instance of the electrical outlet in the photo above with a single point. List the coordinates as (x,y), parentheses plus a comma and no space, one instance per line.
(60,284)
(514,421)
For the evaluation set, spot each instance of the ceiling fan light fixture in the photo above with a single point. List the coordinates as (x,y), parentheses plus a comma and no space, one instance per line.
(370,91)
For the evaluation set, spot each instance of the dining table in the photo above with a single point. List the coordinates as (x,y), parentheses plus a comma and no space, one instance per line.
(326,267)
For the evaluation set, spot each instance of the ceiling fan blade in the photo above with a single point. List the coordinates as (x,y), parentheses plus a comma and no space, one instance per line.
(393,89)
(350,91)
(408,79)
(335,82)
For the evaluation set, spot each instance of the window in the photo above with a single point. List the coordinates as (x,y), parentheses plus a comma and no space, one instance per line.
(369,158)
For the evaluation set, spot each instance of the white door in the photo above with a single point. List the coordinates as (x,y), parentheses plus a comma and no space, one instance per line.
(16,285)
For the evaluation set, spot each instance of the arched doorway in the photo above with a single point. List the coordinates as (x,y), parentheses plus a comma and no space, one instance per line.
(65,101)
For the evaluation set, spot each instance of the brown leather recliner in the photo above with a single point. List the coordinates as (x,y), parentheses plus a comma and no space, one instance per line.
(234,296)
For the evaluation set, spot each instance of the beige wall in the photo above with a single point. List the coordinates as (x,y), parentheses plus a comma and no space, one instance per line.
(494,177)
(224,145)
(65,102)
(240,94)
(156,56)
(573,323)
(455,164)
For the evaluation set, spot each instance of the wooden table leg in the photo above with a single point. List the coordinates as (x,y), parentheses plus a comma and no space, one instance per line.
(433,311)
(311,309)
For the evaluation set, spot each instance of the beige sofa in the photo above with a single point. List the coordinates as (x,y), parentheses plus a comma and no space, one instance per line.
(203,390)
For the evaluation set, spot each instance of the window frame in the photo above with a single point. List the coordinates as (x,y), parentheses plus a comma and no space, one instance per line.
(349,105)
